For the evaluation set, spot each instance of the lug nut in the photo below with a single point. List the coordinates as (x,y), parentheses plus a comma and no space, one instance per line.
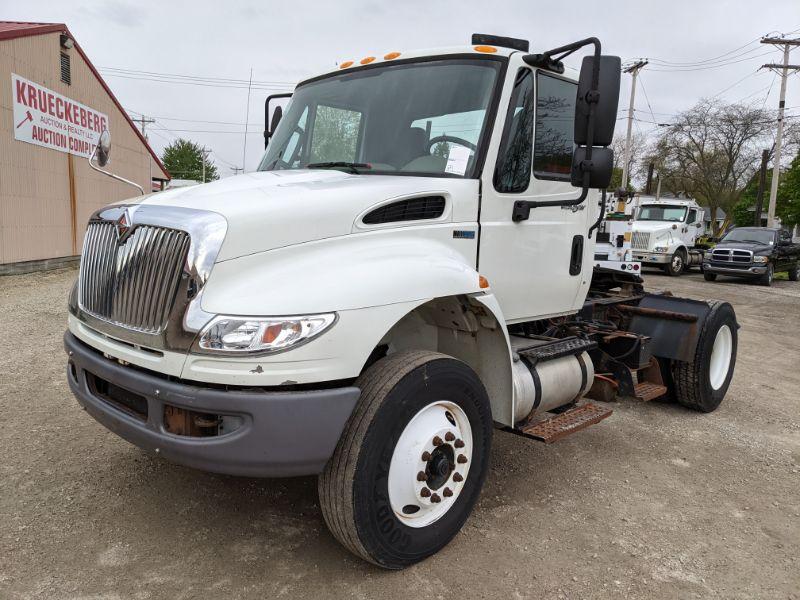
(447,492)
(449,437)
(435,498)
(424,492)
(457,477)
(461,459)
(459,444)
(426,456)
(421,476)
(437,441)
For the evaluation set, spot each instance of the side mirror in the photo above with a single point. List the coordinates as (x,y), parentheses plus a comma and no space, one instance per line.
(600,167)
(604,98)
(104,148)
(277,115)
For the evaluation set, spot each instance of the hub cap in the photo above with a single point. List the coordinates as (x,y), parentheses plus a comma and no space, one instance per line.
(721,357)
(430,464)
(677,262)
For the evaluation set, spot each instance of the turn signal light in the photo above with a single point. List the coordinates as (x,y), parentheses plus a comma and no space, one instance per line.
(483,283)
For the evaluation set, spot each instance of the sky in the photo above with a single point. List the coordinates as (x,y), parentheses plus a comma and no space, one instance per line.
(151,53)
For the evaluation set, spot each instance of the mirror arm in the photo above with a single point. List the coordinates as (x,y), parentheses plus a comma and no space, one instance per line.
(599,217)
(117,177)
(522,208)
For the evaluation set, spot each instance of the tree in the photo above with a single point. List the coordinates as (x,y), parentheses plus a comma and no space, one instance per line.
(787,203)
(184,160)
(638,149)
(711,151)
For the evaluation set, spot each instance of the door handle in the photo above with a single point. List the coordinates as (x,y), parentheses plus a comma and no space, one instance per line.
(576,256)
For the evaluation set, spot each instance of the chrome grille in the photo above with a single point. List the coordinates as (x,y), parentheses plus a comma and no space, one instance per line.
(132,283)
(731,255)
(640,240)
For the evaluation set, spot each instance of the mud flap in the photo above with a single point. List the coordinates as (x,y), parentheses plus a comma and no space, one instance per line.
(673,324)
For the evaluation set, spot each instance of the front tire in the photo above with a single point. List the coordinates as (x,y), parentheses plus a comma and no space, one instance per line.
(411,461)
(794,273)
(766,278)
(709,276)
(702,384)
(677,264)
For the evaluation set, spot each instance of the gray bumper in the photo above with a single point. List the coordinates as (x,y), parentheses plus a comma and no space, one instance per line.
(281,434)
(652,258)
(748,272)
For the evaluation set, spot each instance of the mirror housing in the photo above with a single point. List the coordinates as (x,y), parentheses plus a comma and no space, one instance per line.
(605,100)
(599,167)
(277,115)
(103,151)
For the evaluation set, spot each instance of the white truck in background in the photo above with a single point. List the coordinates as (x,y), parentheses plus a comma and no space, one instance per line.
(409,270)
(665,233)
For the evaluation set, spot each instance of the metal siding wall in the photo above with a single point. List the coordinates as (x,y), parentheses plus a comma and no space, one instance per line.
(35,214)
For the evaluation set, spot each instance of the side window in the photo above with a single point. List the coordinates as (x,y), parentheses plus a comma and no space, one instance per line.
(513,171)
(555,115)
(336,134)
(692,216)
(293,147)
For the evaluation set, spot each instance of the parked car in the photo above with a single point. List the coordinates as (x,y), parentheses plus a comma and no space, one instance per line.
(754,253)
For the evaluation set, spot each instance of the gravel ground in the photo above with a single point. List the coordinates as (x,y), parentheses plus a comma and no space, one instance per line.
(655,502)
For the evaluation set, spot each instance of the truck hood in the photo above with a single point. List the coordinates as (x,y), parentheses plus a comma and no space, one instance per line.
(651,226)
(753,247)
(273,209)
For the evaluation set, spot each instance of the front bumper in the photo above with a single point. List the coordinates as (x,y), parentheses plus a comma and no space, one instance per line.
(650,258)
(751,271)
(280,433)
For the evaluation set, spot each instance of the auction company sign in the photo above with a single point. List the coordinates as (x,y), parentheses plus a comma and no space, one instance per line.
(48,119)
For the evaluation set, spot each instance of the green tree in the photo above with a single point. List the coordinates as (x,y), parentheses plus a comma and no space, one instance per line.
(184,160)
(787,203)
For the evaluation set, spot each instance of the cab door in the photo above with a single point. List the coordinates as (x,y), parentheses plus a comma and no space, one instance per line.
(540,266)
(693,227)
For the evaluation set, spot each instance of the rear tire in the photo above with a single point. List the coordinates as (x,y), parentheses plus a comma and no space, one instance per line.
(709,276)
(702,384)
(794,273)
(370,493)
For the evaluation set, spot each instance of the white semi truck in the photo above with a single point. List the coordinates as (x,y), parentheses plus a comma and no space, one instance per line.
(409,270)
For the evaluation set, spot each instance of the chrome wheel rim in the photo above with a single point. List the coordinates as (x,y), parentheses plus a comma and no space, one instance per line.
(430,464)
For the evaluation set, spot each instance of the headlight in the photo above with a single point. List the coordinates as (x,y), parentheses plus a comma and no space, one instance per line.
(660,249)
(262,334)
(761,259)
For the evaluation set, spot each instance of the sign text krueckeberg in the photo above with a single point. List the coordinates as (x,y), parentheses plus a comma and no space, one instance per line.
(48,119)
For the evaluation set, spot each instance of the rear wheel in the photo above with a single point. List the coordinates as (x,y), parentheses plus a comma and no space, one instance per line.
(794,272)
(702,384)
(411,461)
(677,263)
(709,276)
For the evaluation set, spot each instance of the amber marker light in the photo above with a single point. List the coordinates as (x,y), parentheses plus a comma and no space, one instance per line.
(345,64)
(367,60)
(486,49)
(391,56)
(483,283)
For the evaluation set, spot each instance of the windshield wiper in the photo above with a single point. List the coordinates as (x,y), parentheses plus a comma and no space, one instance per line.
(352,167)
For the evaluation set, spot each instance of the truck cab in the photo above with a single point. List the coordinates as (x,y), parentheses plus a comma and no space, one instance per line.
(665,234)
(409,269)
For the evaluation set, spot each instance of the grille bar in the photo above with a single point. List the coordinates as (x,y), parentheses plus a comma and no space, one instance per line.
(640,240)
(131,284)
(731,255)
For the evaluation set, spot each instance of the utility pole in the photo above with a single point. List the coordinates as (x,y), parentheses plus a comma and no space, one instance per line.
(776,163)
(144,121)
(762,183)
(205,152)
(634,71)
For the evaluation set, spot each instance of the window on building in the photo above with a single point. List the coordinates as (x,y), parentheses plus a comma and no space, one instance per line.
(66,75)
(513,170)
(555,116)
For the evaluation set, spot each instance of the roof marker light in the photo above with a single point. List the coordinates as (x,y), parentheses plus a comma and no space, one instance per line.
(391,56)
(346,64)
(487,49)
(366,60)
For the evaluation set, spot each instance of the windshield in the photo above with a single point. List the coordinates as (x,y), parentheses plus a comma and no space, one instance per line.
(661,212)
(421,118)
(757,236)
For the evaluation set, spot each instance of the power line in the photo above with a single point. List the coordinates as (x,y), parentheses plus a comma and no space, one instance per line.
(194,77)
(709,67)
(707,60)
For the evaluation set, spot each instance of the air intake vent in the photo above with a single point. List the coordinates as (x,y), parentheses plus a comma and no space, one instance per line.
(413,209)
(66,74)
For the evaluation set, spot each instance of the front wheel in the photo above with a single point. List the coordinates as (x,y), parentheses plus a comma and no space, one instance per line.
(677,264)
(709,276)
(411,461)
(766,278)
(702,384)
(794,272)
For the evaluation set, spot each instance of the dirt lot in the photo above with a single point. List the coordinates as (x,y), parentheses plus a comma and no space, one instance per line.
(654,502)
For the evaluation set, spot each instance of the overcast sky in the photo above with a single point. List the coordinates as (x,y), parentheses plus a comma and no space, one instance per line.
(285,42)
